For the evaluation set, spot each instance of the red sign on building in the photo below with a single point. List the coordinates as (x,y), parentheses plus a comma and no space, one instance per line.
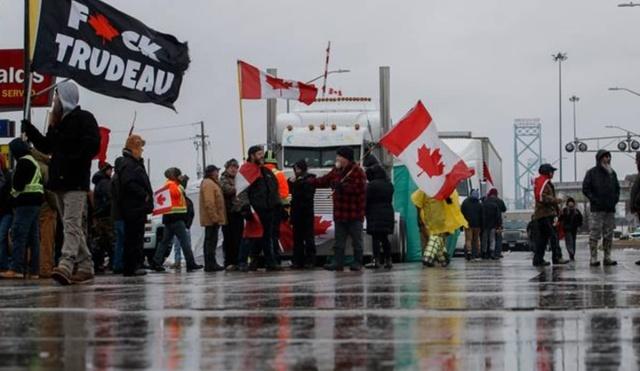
(12,80)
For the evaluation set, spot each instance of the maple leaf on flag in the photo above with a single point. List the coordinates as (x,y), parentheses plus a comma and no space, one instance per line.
(161,199)
(320,226)
(103,27)
(430,161)
(277,83)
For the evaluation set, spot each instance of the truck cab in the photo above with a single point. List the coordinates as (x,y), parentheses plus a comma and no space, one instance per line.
(314,133)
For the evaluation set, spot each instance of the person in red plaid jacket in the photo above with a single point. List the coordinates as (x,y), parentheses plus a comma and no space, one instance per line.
(348,181)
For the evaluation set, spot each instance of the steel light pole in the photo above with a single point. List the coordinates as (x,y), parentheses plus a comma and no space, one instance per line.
(625,89)
(560,57)
(328,73)
(574,99)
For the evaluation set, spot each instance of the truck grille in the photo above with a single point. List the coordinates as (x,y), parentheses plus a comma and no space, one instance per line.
(323,202)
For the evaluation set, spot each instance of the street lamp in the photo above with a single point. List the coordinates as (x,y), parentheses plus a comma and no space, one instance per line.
(574,99)
(560,57)
(629,144)
(328,73)
(628,5)
(625,89)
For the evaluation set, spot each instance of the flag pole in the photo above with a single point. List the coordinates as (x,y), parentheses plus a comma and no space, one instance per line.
(26,114)
(241,111)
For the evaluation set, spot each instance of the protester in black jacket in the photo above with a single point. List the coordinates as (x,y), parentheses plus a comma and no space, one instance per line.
(27,191)
(302,217)
(265,200)
(570,219)
(72,140)
(492,209)
(602,189)
(634,195)
(134,201)
(380,215)
(103,223)
(472,210)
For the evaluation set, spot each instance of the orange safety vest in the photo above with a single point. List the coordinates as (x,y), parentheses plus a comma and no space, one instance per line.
(178,200)
(283,184)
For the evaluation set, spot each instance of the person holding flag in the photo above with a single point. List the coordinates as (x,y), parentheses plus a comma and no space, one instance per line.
(72,141)
(261,186)
(174,218)
(546,211)
(348,182)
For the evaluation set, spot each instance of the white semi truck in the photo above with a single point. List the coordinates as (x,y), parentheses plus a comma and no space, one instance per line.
(314,133)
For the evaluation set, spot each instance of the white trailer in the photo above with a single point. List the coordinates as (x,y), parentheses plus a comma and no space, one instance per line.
(479,154)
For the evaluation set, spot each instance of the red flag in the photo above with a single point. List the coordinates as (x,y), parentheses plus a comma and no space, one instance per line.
(434,167)
(486,174)
(256,84)
(105,134)
(247,174)
(253,228)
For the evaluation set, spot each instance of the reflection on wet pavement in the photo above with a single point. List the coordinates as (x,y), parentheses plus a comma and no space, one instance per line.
(473,316)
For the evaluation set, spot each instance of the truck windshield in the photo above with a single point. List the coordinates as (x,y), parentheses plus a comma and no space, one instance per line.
(323,157)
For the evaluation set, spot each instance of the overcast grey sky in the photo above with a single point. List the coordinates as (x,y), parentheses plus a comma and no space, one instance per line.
(477,65)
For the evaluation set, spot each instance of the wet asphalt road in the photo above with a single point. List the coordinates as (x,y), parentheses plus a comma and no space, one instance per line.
(472,316)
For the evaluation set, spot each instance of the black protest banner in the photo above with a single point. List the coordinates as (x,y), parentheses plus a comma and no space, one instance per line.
(109,52)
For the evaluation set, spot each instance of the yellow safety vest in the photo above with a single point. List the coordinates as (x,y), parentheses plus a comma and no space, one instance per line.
(35,186)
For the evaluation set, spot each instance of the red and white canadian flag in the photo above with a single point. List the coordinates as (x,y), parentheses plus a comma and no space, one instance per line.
(434,167)
(256,84)
(162,201)
(247,174)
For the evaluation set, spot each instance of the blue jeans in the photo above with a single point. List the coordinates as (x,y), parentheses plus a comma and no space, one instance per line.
(26,232)
(118,264)
(497,253)
(5,225)
(177,256)
(171,230)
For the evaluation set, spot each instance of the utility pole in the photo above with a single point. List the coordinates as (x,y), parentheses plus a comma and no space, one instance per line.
(385,115)
(200,142)
(272,110)
(574,99)
(560,57)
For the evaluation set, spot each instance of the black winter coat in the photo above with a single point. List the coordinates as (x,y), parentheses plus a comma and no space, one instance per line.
(379,209)
(101,194)
(72,144)
(472,210)
(602,189)
(263,192)
(6,206)
(492,209)
(634,196)
(132,189)
(302,197)
(570,220)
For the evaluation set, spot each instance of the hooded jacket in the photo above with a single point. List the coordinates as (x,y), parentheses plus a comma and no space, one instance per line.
(131,189)
(472,210)
(101,194)
(601,187)
(379,210)
(72,143)
(492,209)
